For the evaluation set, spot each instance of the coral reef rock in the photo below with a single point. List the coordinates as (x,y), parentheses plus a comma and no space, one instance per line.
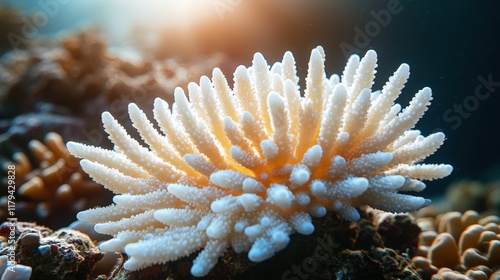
(64,254)
(75,78)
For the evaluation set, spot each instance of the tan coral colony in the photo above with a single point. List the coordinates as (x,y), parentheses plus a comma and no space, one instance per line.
(245,167)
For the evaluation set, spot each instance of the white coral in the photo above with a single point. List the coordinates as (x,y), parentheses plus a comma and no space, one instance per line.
(246,167)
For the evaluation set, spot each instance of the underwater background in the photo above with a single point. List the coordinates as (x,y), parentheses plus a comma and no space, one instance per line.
(453,47)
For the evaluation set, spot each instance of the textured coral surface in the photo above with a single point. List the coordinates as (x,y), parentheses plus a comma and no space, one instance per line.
(336,250)
(64,254)
(459,246)
(247,166)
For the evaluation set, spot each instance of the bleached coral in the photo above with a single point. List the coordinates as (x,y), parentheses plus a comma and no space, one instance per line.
(246,167)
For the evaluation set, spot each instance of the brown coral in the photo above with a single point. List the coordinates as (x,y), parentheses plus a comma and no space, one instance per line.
(72,81)
(80,67)
(458,246)
(56,189)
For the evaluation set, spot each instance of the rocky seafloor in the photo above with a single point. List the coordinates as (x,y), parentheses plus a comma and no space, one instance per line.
(380,245)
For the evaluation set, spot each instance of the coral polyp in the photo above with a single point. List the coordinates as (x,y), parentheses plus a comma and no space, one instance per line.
(245,167)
